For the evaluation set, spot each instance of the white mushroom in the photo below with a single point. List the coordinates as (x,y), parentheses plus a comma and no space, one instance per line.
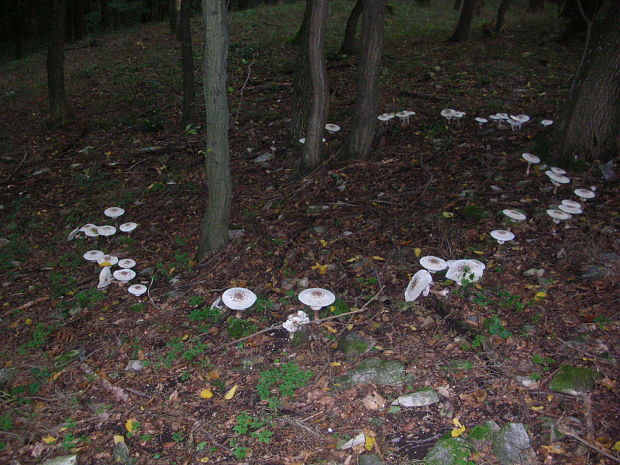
(556,179)
(571,203)
(88,226)
(91,230)
(126,263)
(558,215)
(295,322)
(128,227)
(420,284)
(93,255)
(106,230)
(73,234)
(385,117)
(332,128)
(530,159)
(501,236)
(113,212)
(239,299)
(404,115)
(448,113)
(557,170)
(125,275)
(465,270)
(519,120)
(433,264)
(481,121)
(514,215)
(570,209)
(316,298)
(105,277)
(584,194)
(546,122)
(137,289)
(107,260)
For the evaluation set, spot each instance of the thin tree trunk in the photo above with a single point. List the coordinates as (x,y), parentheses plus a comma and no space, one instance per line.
(501,14)
(175,11)
(302,88)
(104,13)
(187,62)
(590,123)
(536,5)
(312,153)
(302,32)
(348,42)
(364,122)
(464,23)
(214,227)
(59,108)
(457,5)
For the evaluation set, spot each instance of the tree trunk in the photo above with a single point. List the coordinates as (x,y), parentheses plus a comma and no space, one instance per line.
(105,15)
(536,5)
(464,23)
(59,108)
(79,19)
(175,11)
(457,5)
(364,121)
(501,13)
(214,227)
(590,123)
(302,88)
(312,153)
(348,42)
(187,62)
(302,33)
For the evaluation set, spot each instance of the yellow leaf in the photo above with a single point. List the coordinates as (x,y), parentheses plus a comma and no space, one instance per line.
(28,321)
(185,337)
(354,259)
(231,392)
(105,264)
(531,286)
(417,251)
(204,460)
(478,286)
(322,269)
(460,429)
(331,329)
(478,252)
(540,295)
(206,393)
(448,215)
(335,364)
(213,374)
(49,439)
(376,257)
(616,446)
(55,376)
(118,439)
(349,327)
(378,347)
(537,408)
(131,425)
(370,442)
(323,242)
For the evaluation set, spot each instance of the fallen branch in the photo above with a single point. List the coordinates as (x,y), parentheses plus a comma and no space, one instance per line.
(568,432)
(315,322)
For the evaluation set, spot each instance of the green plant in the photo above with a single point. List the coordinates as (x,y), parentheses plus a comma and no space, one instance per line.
(192,351)
(544,362)
(6,422)
(196,301)
(280,382)
(478,341)
(61,284)
(602,321)
(206,315)
(39,337)
(254,427)
(480,432)
(89,297)
(238,328)
(178,436)
(337,308)
(495,327)
(137,308)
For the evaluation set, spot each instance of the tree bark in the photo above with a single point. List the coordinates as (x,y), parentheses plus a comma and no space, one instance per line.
(302,32)
(175,12)
(104,15)
(501,14)
(302,88)
(312,153)
(364,122)
(464,23)
(60,112)
(457,4)
(590,123)
(187,62)
(536,5)
(214,227)
(348,42)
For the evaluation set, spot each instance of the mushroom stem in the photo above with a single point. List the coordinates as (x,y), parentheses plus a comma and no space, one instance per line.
(442,293)
(316,314)
(238,314)
(527,171)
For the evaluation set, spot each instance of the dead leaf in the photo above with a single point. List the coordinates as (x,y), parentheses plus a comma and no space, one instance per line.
(374,401)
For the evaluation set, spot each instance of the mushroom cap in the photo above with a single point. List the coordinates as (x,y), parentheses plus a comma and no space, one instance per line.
(126,263)
(584,193)
(137,289)
(420,284)
(459,114)
(87,226)
(558,215)
(447,112)
(113,212)
(515,215)
(481,120)
(124,275)
(501,235)
(570,209)
(571,203)
(91,231)
(557,170)
(93,255)
(433,264)
(238,298)
(546,122)
(557,178)
(128,227)
(316,297)
(520,118)
(530,158)
(385,116)
(107,260)
(106,230)
(405,114)
(296,321)
(105,277)
(332,128)
(73,234)
(459,270)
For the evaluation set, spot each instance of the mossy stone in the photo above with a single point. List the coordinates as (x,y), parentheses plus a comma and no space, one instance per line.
(573,380)
(373,370)
(448,451)
(354,344)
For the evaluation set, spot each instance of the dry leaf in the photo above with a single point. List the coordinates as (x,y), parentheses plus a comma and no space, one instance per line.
(49,439)
(173,397)
(231,392)
(206,393)
(132,425)
(374,401)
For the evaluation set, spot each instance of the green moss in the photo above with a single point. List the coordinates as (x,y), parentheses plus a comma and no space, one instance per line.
(574,380)
(480,432)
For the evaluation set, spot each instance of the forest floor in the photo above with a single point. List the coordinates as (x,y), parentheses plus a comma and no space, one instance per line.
(357,228)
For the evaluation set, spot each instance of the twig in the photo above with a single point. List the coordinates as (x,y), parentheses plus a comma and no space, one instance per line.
(148,291)
(562,429)
(247,78)
(586,45)
(210,436)
(315,322)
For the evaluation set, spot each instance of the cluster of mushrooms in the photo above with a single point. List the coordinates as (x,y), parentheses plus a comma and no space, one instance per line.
(125,273)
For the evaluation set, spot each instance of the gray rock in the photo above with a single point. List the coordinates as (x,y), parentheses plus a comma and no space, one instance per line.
(264,158)
(370,459)
(527,382)
(6,375)
(608,171)
(373,370)
(62,460)
(511,445)
(235,233)
(134,365)
(573,380)
(448,451)
(355,344)
(537,272)
(121,453)
(596,273)
(418,399)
